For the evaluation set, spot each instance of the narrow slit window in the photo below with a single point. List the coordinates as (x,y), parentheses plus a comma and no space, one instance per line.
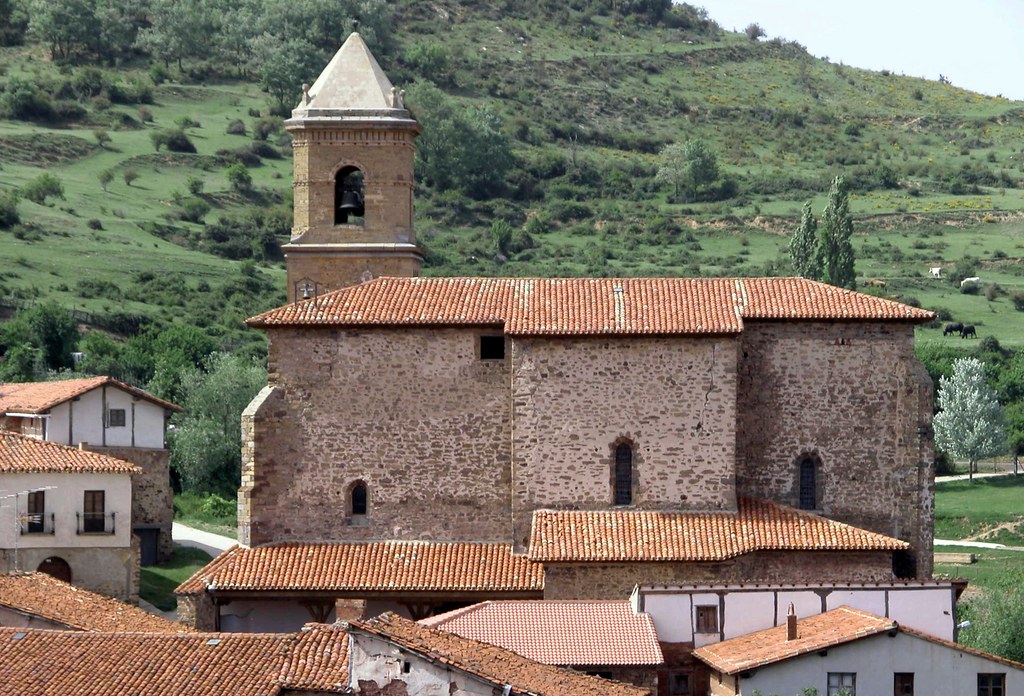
(808,484)
(359,499)
(624,474)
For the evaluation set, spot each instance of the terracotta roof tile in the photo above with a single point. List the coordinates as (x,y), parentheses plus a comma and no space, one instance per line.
(587,306)
(386,566)
(40,595)
(556,632)
(23,454)
(39,397)
(491,663)
(318,661)
(69,663)
(632,535)
(814,633)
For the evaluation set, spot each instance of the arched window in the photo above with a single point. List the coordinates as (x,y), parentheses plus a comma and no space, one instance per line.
(358,499)
(624,474)
(348,196)
(808,486)
(57,567)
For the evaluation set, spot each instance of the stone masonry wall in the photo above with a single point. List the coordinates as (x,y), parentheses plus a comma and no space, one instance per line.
(616,580)
(574,399)
(110,571)
(152,499)
(854,395)
(197,611)
(413,414)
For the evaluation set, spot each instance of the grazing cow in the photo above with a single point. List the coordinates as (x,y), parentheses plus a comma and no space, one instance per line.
(936,271)
(952,329)
(973,280)
(875,283)
(967,331)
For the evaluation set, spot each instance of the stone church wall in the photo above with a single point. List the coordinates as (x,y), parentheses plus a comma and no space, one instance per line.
(854,395)
(574,399)
(413,414)
(617,580)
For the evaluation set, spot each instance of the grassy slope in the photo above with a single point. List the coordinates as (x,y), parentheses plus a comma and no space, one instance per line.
(157,583)
(965,509)
(772,112)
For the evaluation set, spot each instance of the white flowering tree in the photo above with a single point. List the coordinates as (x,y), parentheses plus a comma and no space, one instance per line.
(969,424)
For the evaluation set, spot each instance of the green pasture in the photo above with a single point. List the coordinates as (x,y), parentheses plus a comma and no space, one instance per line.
(157,583)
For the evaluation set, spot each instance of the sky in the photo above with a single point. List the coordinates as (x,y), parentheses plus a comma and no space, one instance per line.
(976,44)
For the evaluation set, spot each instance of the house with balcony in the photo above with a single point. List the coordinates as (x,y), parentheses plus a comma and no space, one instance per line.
(66,512)
(105,415)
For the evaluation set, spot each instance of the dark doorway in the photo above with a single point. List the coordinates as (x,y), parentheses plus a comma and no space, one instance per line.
(148,544)
(57,567)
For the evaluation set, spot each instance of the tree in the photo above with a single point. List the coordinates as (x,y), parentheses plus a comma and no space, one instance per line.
(102,137)
(754,31)
(803,246)
(688,167)
(68,26)
(285,64)
(44,186)
(105,177)
(179,29)
(995,621)
(13,22)
(969,424)
(206,441)
(129,175)
(835,247)
(9,216)
(239,177)
(37,339)
(460,148)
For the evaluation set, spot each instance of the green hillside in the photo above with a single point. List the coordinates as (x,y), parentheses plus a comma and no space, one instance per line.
(581,96)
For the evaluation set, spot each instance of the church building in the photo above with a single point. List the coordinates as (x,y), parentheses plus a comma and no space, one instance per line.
(424,443)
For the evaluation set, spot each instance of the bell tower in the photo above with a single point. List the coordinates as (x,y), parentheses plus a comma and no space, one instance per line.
(353,143)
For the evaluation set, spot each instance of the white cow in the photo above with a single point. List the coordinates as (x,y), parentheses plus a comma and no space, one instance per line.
(936,271)
(973,280)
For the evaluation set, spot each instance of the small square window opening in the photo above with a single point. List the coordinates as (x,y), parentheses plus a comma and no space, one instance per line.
(115,418)
(492,347)
(707,619)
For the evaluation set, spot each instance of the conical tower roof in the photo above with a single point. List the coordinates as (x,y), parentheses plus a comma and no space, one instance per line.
(352,86)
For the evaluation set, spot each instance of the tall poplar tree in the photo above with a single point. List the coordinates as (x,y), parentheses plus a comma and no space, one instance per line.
(835,247)
(969,424)
(803,246)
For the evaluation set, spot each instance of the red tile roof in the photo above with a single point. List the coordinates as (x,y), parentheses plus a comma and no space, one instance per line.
(318,661)
(40,397)
(632,535)
(814,633)
(386,566)
(587,306)
(489,662)
(40,595)
(556,632)
(23,454)
(71,663)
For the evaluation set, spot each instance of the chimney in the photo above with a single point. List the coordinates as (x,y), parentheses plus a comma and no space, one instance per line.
(791,623)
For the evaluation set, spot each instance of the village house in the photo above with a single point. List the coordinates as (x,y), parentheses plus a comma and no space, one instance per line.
(563,438)
(849,651)
(385,656)
(104,415)
(67,512)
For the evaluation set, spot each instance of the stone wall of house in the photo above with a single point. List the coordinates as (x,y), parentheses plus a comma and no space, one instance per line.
(197,611)
(152,499)
(111,571)
(616,580)
(412,414)
(575,399)
(853,395)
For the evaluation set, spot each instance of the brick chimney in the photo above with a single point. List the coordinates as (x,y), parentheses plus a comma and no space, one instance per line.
(791,623)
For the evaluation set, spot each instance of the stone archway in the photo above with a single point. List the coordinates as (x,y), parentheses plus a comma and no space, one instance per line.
(57,567)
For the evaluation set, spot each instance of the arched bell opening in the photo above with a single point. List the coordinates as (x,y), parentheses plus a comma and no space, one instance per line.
(348,197)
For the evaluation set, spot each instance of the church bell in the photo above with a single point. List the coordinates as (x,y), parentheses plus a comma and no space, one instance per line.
(351,204)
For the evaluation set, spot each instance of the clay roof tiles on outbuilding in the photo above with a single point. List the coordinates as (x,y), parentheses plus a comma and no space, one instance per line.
(24,454)
(386,566)
(587,306)
(637,535)
(489,662)
(81,663)
(38,594)
(318,661)
(814,633)
(559,632)
(40,397)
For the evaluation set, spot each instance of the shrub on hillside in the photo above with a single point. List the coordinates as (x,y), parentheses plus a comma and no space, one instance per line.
(194,210)
(177,141)
(237,127)
(239,177)
(23,99)
(9,216)
(44,186)
(1018,301)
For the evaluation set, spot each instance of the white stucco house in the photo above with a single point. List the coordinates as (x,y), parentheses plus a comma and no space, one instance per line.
(67,512)
(105,415)
(849,652)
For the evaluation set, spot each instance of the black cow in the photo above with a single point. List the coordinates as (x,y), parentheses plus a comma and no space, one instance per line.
(952,329)
(968,331)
